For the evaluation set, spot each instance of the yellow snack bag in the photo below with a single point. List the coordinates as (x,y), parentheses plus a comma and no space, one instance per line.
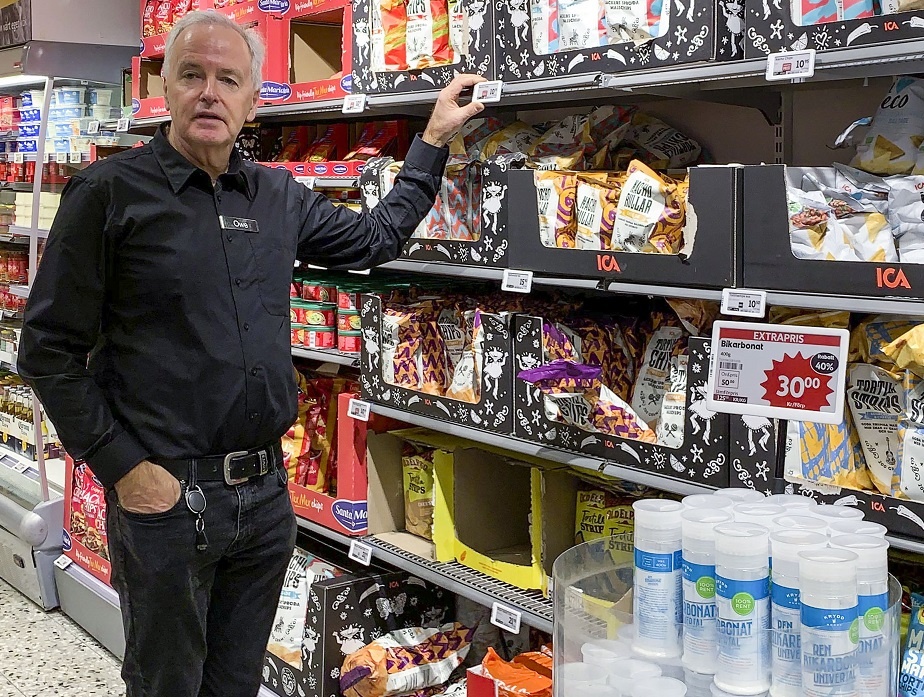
(417,466)
(563,145)
(556,192)
(650,215)
(907,351)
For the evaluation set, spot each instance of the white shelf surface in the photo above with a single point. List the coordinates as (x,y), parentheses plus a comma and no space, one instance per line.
(327,356)
(536,610)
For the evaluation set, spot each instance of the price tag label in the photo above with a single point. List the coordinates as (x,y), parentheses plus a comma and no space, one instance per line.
(63,562)
(488,92)
(306,181)
(19,157)
(778,371)
(506,618)
(360,552)
(746,303)
(47,157)
(75,158)
(363,272)
(20,468)
(61,158)
(93,127)
(354,104)
(791,65)
(359,410)
(517,281)
(122,125)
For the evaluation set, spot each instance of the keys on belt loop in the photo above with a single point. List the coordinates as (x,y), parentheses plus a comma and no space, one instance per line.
(196,503)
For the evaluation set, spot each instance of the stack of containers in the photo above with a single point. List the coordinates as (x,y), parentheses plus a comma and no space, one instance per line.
(71,110)
(326,316)
(822,627)
(349,334)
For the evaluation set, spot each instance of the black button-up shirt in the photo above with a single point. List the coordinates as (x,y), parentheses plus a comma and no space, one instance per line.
(184,312)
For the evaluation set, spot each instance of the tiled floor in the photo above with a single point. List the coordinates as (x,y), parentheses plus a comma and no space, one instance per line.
(47,654)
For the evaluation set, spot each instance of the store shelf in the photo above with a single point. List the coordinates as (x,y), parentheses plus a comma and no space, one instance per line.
(93,605)
(27,231)
(536,610)
(19,291)
(327,356)
(522,447)
(916,546)
(811,301)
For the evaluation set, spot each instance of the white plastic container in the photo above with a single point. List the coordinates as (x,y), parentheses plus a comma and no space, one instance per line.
(828,590)
(700,648)
(658,590)
(100,97)
(574,675)
(741,495)
(801,522)
(625,672)
(626,634)
(698,685)
(742,579)
(786,608)
(758,513)
(857,527)
(710,501)
(872,604)
(605,654)
(594,691)
(68,96)
(659,687)
(791,502)
(832,513)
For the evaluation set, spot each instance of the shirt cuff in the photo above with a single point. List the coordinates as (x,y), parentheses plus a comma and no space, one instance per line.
(115,459)
(426,157)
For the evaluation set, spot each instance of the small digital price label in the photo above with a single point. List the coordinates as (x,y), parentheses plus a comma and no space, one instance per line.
(93,127)
(20,468)
(488,92)
(359,410)
(61,158)
(791,65)
(506,618)
(360,552)
(19,158)
(63,562)
(306,181)
(746,303)
(75,158)
(778,371)
(515,281)
(123,124)
(354,104)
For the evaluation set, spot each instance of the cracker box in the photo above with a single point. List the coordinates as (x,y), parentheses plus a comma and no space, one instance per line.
(703,457)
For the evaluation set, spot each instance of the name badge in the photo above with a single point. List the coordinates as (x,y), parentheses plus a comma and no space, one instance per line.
(245,224)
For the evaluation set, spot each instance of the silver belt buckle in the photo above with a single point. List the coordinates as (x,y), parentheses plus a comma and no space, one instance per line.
(227,469)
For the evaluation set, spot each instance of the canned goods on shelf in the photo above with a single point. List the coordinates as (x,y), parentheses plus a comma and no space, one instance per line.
(349,342)
(348,321)
(319,337)
(319,293)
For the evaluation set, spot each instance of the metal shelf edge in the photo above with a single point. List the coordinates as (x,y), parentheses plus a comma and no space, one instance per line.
(327,356)
(516,445)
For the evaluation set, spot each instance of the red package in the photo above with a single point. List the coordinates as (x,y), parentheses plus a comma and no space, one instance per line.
(194,5)
(163,17)
(303,468)
(147,19)
(180,9)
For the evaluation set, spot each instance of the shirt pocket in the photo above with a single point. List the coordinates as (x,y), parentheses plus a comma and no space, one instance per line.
(274,274)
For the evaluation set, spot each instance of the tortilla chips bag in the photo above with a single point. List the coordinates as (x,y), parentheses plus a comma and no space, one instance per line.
(556,192)
(877,403)
(664,147)
(427,34)
(651,213)
(596,205)
(394,19)
(893,141)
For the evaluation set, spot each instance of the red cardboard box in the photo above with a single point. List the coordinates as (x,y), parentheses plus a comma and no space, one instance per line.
(347,512)
(84,538)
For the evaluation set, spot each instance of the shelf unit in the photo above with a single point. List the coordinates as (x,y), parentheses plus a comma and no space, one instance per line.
(327,356)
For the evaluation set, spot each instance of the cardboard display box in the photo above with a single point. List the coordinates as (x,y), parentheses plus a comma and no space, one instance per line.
(696,31)
(761,464)
(768,261)
(702,458)
(84,537)
(492,248)
(711,237)
(771,27)
(494,410)
(346,613)
(479,18)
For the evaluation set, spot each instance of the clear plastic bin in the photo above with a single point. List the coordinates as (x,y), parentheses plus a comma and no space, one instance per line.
(593,605)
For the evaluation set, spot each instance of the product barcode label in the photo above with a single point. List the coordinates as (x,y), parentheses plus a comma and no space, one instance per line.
(123,124)
(63,562)
(515,281)
(93,127)
(354,104)
(730,365)
(488,91)
(359,410)
(745,303)
(306,181)
(61,158)
(506,618)
(360,552)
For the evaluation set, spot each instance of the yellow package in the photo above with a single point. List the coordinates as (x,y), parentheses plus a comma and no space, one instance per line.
(515,138)
(696,316)
(596,204)
(879,332)
(907,351)
(563,145)
(556,193)
(601,514)
(823,454)
(650,215)
(417,466)
(803,318)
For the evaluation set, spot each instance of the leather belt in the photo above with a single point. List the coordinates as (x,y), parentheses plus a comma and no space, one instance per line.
(232,469)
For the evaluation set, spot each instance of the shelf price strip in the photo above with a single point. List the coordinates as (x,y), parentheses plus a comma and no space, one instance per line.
(778,371)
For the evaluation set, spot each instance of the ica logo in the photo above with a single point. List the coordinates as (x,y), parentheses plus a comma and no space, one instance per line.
(890,26)
(877,506)
(607,262)
(891,278)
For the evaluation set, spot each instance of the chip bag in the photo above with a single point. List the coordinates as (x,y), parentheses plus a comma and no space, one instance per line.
(285,640)
(650,214)
(394,18)
(518,137)
(907,351)
(877,403)
(516,679)
(674,405)
(419,491)
(813,232)
(652,380)
(556,192)
(906,211)
(910,468)
(543,19)
(581,24)
(664,146)
(427,34)
(596,206)
(563,145)
(892,143)
(401,348)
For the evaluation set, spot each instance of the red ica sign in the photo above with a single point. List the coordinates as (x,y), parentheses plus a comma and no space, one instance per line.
(778,371)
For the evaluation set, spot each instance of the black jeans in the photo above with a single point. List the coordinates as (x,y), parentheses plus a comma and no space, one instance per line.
(197,623)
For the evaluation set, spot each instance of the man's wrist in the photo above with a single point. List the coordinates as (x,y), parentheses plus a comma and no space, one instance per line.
(433,139)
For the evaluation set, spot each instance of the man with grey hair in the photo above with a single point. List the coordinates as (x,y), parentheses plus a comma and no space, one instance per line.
(169,266)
